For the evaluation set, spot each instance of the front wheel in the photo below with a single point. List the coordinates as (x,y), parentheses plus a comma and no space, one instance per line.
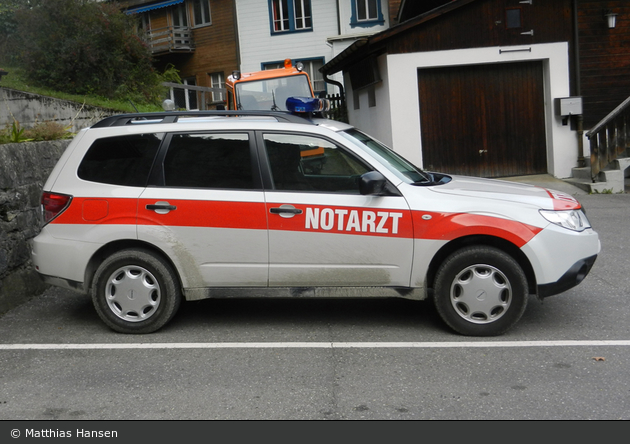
(480,291)
(135,291)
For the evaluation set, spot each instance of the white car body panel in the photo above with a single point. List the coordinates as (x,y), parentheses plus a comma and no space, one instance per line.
(554,250)
(207,251)
(255,248)
(339,240)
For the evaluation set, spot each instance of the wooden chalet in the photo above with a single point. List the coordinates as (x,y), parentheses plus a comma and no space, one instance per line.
(198,37)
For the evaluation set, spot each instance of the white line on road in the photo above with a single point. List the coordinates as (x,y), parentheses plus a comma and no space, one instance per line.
(331,345)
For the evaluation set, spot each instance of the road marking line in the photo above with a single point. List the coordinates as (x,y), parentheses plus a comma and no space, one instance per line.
(331,345)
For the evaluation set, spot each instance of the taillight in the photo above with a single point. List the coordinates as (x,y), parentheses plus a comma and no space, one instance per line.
(53,205)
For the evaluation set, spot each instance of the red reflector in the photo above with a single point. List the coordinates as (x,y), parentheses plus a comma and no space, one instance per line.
(54,204)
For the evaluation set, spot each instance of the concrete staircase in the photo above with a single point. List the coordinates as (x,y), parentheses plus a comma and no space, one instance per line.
(609,181)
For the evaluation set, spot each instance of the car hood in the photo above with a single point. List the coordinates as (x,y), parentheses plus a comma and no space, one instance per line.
(474,187)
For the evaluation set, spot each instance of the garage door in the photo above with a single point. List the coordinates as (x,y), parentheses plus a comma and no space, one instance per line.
(483,120)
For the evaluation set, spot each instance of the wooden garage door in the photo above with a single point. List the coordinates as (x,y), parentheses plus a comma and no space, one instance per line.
(483,120)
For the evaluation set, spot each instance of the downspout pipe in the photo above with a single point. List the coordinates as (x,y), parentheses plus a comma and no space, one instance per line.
(578,85)
(339,85)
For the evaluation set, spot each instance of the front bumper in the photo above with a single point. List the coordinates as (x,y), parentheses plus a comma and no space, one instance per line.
(570,279)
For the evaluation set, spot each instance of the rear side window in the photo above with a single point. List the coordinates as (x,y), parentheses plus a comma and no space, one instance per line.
(209,161)
(122,160)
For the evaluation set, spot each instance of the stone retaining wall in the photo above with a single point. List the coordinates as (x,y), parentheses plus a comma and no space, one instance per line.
(30,109)
(24,168)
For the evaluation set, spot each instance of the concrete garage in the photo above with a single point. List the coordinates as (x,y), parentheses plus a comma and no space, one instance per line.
(473,86)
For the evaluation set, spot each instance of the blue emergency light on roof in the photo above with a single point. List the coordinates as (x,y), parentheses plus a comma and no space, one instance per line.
(307,105)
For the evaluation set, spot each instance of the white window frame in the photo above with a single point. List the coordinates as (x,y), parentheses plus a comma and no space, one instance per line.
(311,67)
(278,21)
(179,14)
(303,17)
(192,81)
(284,19)
(217,80)
(206,13)
(366,4)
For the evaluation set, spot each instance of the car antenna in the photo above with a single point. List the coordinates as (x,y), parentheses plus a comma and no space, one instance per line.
(134,106)
(273,97)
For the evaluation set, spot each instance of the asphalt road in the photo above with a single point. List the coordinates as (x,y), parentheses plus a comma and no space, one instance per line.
(568,358)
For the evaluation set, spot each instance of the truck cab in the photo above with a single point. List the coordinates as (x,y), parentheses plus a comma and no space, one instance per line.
(269,89)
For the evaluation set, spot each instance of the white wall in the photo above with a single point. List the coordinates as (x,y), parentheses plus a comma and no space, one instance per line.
(331,34)
(345,13)
(374,120)
(257,45)
(398,124)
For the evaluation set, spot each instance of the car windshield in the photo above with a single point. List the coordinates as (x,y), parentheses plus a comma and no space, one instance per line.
(271,94)
(405,170)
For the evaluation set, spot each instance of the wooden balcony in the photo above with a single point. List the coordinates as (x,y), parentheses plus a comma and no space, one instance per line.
(170,39)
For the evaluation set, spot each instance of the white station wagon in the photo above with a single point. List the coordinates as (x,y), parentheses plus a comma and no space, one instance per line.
(145,210)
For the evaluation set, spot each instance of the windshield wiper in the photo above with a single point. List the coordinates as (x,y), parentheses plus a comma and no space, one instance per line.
(433,179)
(426,177)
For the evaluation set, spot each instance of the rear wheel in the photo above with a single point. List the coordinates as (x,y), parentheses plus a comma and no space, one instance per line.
(480,291)
(135,291)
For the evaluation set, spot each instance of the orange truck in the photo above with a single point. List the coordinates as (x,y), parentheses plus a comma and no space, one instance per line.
(269,89)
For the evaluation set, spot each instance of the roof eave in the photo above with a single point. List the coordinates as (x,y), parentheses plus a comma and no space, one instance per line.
(363,47)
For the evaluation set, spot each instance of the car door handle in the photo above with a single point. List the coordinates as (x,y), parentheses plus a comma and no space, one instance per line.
(161,206)
(285,209)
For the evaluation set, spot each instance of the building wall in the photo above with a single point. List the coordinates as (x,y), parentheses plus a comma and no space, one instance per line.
(604,57)
(215,46)
(332,33)
(345,20)
(375,120)
(395,119)
(258,46)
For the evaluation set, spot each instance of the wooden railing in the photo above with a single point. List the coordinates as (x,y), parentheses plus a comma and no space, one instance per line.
(203,95)
(610,139)
(170,39)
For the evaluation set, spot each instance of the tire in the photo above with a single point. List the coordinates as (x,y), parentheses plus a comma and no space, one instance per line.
(135,291)
(480,291)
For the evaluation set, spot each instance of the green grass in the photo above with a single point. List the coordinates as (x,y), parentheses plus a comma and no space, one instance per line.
(16,79)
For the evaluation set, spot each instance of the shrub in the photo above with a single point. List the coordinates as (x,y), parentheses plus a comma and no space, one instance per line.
(47,131)
(84,47)
(14,133)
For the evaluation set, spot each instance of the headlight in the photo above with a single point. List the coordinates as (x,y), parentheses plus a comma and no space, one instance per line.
(570,219)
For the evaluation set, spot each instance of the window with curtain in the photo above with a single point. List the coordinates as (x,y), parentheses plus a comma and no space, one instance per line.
(290,15)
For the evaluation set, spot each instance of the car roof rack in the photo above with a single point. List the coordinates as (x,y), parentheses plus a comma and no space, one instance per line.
(173,116)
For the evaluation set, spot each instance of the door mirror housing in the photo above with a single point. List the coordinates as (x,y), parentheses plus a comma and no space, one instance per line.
(373,183)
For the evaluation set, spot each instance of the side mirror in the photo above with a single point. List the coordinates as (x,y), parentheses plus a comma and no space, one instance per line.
(372,183)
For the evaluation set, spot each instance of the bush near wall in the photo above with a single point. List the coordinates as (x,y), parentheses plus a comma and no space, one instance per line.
(24,168)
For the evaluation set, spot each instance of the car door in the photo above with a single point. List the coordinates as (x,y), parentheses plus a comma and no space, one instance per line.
(322,231)
(206,210)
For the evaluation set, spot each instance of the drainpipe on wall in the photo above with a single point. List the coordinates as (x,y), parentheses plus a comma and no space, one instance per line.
(580,118)
(344,115)
(339,85)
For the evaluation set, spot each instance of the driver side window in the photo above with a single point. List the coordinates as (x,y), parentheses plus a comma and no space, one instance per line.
(307,163)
